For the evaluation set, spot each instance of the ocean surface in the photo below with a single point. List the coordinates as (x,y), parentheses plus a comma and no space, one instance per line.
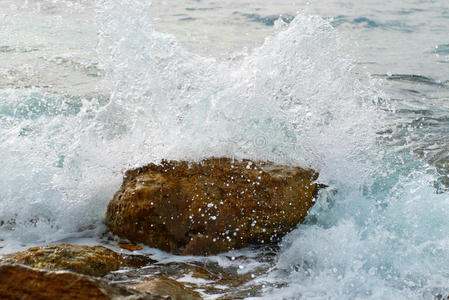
(358,90)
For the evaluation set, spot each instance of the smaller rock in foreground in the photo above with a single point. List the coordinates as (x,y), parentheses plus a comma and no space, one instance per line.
(94,261)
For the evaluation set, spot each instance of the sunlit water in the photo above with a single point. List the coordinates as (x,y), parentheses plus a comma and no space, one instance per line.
(355,89)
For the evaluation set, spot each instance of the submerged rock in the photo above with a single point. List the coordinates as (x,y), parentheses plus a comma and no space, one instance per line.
(93,261)
(21,282)
(216,205)
(166,287)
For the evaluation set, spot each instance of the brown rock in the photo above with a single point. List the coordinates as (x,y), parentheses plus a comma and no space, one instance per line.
(212,206)
(167,287)
(93,261)
(21,282)
(130,247)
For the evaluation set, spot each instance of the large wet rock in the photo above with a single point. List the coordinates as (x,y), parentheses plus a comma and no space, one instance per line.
(212,206)
(93,261)
(21,282)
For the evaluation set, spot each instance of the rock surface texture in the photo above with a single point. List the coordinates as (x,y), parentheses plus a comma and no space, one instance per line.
(25,283)
(216,205)
(93,261)
(166,287)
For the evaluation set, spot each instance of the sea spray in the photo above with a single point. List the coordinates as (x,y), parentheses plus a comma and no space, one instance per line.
(290,100)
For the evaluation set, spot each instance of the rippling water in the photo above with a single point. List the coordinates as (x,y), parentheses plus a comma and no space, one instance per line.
(358,90)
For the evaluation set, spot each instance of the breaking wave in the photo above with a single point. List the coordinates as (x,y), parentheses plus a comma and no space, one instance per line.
(379,231)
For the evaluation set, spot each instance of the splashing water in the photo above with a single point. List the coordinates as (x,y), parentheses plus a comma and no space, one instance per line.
(380,231)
